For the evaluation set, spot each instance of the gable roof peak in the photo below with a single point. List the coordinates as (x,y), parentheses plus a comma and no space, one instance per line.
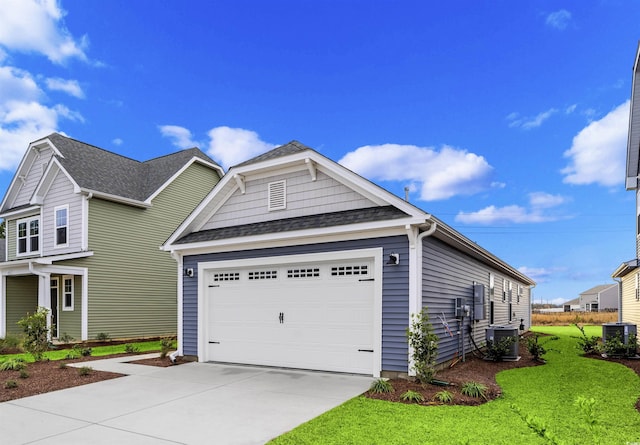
(282,150)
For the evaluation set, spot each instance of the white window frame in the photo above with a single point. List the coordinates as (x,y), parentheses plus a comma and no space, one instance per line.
(277,195)
(504,290)
(56,227)
(64,293)
(492,286)
(28,236)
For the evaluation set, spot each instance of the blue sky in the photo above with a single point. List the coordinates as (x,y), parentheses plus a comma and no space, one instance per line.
(507,120)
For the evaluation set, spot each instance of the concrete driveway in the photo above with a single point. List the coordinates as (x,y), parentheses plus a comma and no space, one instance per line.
(195,403)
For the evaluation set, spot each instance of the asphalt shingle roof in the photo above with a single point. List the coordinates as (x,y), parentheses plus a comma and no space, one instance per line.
(345,217)
(94,168)
(283,150)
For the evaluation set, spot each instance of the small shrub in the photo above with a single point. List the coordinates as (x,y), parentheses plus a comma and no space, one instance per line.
(36,341)
(102,336)
(79,350)
(72,354)
(66,338)
(9,344)
(381,386)
(131,348)
(587,407)
(85,370)
(166,345)
(24,374)
(536,348)
(615,346)
(444,396)
(474,389)
(10,384)
(12,364)
(412,396)
(424,346)
(497,350)
(588,344)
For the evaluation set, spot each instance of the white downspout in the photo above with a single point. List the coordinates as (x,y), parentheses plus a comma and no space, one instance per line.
(619,281)
(43,301)
(415,275)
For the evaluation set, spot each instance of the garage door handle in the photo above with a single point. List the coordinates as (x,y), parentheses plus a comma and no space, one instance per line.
(365,350)
(367,279)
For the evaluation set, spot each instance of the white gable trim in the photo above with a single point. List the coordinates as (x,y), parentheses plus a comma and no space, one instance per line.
(26,163)
(294,162)
(47,180)
(179,172)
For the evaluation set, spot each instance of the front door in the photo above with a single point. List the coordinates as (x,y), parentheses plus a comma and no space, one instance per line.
(54,307)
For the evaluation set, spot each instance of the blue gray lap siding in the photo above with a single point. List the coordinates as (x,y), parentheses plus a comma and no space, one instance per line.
(395,292)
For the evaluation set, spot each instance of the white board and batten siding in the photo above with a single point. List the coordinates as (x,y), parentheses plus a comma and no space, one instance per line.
(303,197)
(32,178)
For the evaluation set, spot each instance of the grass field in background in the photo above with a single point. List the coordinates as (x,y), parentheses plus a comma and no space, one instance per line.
(569,318)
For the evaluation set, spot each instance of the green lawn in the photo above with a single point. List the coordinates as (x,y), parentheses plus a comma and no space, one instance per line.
(98,351)
(538,406)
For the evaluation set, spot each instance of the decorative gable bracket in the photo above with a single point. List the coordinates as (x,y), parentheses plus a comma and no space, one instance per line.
(312,168)
(241,184)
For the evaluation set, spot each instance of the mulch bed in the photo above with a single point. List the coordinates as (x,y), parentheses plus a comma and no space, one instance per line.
(473,369)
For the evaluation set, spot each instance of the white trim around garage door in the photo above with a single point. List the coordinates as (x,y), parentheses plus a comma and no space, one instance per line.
(374,255)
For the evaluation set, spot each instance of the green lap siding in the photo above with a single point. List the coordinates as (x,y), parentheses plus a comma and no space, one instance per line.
(22,298)
(132,284)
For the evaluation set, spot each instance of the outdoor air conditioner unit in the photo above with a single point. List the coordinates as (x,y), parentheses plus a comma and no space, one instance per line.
(497,333)
(622,330)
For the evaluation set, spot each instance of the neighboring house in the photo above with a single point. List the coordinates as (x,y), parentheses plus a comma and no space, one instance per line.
(295,261)
(571,305)
(628,273)
(599,298)
(84,228)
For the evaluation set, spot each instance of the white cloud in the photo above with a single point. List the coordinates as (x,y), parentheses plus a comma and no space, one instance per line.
(517,121)
(538,274)
(438,174)
(559,19)
(16,84)
(117,141)
(180,136)
(570,109)
(22,117)
(542,200)
(71,87)
(37,26)
(230,146)
(597,154)
(23,122)
(539,203)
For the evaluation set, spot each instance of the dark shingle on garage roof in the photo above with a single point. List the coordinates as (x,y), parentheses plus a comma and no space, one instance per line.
(356,216)
(283,150)
(96,169)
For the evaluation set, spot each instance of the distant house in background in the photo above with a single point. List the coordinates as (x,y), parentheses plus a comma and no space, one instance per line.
(599,298)
(572,305)
(83,231)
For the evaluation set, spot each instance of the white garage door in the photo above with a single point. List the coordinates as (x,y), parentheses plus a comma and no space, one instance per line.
(306,315)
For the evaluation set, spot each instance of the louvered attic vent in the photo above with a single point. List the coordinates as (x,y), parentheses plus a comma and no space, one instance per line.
(277,195)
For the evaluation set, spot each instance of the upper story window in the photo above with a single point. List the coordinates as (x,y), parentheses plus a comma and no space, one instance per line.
(492,285)
(28,239)
(62,226)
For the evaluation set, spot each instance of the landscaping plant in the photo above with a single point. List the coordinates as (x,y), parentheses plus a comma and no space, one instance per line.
(536,348)
(497,350)
(424,346)
(166,345)
(36,341)
(12,364)
(587,343)
(444,396)
(474,389)
(381,386)
(412,396)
